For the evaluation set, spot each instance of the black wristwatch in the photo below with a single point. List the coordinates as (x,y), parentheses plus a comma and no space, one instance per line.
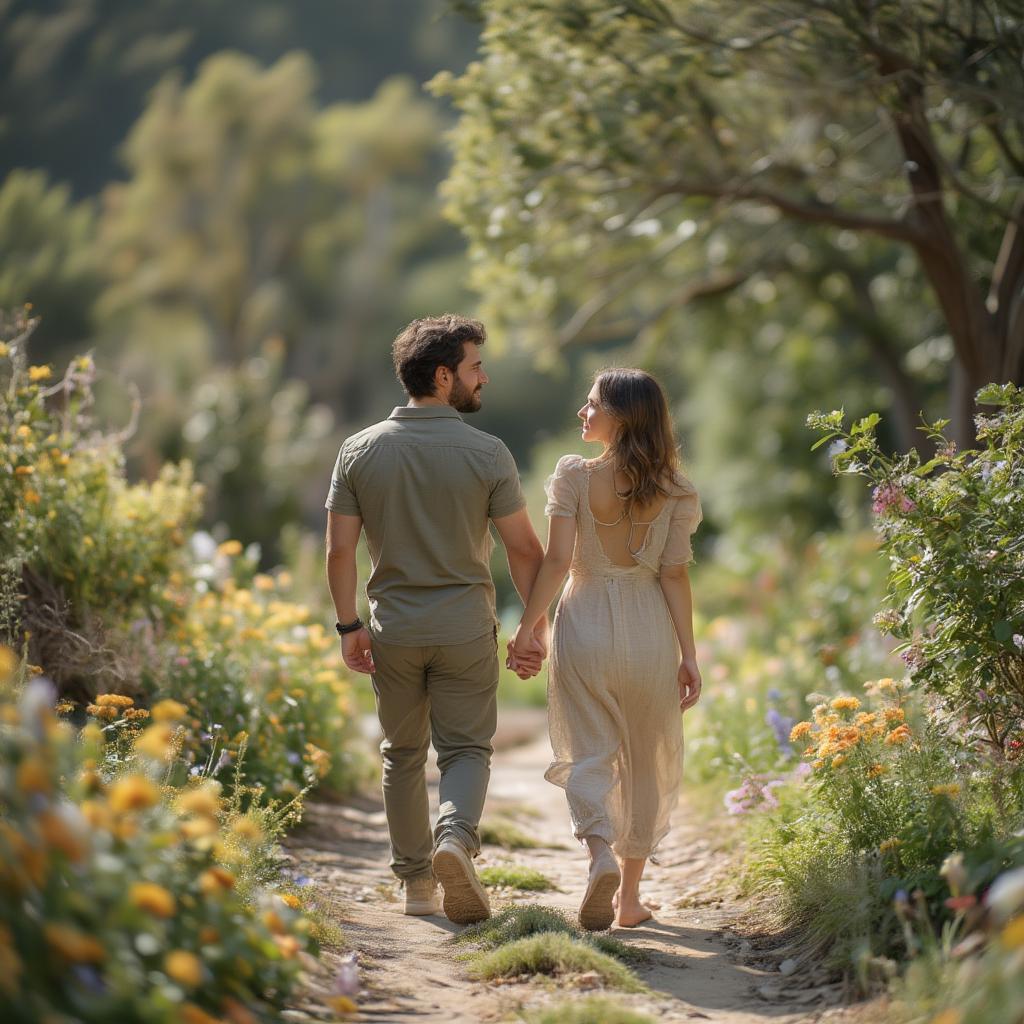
(348,627)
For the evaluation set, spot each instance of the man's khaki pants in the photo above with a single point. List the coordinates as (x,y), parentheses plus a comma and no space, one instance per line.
(447,694)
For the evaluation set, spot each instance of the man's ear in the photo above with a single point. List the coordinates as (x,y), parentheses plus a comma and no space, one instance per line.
(441,378)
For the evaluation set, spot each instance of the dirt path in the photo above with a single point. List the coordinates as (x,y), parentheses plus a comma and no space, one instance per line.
(700,962)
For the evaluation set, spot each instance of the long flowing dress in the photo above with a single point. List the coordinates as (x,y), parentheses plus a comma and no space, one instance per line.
(613,696)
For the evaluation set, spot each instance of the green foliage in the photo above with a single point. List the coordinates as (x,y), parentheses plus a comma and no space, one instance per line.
(594,1010)
(513,876)
(112,874)
(953,530)
(554,954)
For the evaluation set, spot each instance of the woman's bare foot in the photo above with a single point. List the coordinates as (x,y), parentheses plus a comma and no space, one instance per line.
(648,903)
(630,913)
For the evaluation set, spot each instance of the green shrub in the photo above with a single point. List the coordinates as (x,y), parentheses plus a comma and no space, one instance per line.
(507,834)
(594,1010)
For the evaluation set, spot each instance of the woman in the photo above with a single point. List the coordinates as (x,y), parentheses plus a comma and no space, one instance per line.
(623,660)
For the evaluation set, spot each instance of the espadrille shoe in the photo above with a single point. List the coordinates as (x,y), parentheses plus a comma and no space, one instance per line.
(465,899)
(422,898)
(596,910)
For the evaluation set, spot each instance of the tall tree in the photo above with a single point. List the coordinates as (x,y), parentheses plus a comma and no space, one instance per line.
(622,160)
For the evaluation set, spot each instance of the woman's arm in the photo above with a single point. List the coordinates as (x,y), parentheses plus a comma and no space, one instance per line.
(675,585)
(557,558)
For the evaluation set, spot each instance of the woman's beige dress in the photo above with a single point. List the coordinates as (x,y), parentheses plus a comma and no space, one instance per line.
(613,696)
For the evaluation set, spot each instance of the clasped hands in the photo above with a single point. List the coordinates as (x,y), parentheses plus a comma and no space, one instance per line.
(527,650)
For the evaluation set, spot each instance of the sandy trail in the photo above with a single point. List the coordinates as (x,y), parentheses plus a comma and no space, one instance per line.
(696,948)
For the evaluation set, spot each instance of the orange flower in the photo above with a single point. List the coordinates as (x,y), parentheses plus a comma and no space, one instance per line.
(153,898)
(192,1014)
(215,880)
(33,776)
(169,711)
(184,967)
(74,945)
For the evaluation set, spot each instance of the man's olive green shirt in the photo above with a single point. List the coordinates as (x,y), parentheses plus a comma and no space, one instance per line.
(425,485)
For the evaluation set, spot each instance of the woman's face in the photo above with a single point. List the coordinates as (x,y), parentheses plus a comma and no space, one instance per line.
(598,425)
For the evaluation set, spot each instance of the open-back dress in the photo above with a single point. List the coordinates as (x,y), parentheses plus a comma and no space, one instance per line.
(613,695)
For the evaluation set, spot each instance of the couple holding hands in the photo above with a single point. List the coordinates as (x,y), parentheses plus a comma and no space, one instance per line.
(424,486)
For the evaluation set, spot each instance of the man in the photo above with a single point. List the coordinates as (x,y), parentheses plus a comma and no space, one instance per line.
(424,484)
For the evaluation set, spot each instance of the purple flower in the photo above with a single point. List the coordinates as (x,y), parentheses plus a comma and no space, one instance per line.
(755,794)
(346,981)
(780,725)
(292,758)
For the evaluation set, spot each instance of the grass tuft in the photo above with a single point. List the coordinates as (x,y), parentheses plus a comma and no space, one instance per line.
(513,876)
(507,834)
(594,1010)
(514,923)
(552,954)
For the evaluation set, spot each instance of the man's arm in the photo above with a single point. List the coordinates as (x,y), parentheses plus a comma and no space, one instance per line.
(524,549)
(342,539)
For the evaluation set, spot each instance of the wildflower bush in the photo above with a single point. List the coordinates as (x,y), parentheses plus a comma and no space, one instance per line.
(127,897)
(774,626)
(953,530)
(104,585)
(78,539)
(254,671)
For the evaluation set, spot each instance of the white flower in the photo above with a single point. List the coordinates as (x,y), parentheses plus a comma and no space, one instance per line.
(837,447)
(1007,893)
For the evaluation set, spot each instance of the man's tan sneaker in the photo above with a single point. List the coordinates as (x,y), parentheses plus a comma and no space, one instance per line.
(465,899)
(422,898)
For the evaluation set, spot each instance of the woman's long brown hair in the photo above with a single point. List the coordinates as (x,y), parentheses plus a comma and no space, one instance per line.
(644,448)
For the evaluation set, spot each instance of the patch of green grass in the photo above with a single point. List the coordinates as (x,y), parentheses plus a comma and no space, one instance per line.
(553,954)
(595,1010)
(512,876)
(514,923)
(507,834)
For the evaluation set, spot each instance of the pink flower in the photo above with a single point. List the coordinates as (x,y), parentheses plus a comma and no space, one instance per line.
(888,497)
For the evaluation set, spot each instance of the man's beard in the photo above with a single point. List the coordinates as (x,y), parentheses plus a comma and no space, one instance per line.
(462,399)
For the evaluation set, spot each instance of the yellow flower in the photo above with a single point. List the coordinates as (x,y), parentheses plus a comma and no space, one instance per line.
(157,742)
(153,898)
(23,432)
(74,945)
(877,769)
(58,836)
(9,662)
(838,760)
(204,799)
(184,967)
(133,793)
(950,1016)
(342,1005)
(231,548)
(291,900)
(107,713)
(38,373)
(4,349)
(247,829)
(198,828)
(894,715)
(950,789)
(114,700)
(845,704)
(31,497)
(1013,934)
(261,581)
(887,684)
(33,776)
(24,470)
(889,845)
(169,711)
(799,730)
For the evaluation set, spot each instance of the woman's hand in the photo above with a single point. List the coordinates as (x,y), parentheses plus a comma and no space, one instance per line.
(689,683)
(525,653)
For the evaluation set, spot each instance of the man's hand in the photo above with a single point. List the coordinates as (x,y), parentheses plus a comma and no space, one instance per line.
(355,651)
(689,683)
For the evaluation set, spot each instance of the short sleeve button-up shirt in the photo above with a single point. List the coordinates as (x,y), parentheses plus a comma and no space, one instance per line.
(425,484)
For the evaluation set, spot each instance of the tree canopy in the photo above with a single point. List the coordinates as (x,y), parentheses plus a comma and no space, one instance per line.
(616,162)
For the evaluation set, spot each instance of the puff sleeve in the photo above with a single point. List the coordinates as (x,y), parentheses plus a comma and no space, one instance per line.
(563,487)
(686,517)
